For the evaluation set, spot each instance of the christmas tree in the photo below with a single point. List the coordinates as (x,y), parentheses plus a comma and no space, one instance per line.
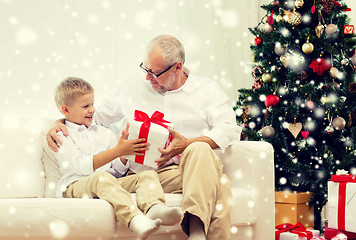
(303,97)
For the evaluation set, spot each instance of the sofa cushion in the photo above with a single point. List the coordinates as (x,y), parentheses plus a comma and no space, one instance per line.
(37,218)
(20,149)
(50,164)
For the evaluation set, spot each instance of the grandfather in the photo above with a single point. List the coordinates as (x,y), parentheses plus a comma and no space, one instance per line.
(203,120)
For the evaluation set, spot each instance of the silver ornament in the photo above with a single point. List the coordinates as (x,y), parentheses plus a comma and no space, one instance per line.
(268,132)
(339,123)
(329,129)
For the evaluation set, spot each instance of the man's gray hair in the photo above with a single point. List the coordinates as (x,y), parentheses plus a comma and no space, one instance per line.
(172,50)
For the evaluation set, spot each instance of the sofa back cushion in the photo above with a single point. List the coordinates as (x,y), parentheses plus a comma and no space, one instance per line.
(21,169)
(50,164)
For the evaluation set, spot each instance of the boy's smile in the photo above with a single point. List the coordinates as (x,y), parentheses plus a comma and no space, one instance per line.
(81,111)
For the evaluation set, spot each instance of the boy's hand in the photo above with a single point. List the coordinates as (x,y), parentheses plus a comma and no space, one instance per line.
(52,138)
(133,146)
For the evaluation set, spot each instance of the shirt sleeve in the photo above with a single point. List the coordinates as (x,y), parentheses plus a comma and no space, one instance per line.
(71,159)
(109,110)
(117,168)
(221,118)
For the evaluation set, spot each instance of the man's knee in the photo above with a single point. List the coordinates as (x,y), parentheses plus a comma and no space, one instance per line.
(152,175)
(198,146)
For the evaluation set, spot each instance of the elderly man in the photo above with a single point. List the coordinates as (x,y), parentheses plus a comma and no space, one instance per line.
(203,120)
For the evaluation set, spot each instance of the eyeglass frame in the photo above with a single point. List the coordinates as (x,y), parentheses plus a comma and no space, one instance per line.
(154,75)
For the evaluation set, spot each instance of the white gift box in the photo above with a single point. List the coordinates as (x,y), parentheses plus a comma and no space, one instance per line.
(350,207)
(158,137)
(294,236)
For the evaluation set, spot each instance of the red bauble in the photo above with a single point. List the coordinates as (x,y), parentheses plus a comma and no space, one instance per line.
(271,100)
(258,41)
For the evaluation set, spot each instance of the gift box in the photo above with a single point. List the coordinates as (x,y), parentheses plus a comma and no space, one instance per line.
(288,231)
(292,207)
(342,202)
(329,233)
(154,129)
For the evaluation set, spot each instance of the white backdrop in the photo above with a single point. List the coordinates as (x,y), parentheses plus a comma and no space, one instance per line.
(103,41)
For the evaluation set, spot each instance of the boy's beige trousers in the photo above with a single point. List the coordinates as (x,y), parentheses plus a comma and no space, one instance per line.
(117,192)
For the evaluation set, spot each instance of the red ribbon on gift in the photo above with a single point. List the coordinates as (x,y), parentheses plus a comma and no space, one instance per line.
(342,180)
(157,118)
(296,229)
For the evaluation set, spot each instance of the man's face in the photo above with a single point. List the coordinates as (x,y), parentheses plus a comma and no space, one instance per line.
(166,81)
(81,111)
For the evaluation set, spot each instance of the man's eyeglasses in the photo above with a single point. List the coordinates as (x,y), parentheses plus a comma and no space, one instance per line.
(152,74)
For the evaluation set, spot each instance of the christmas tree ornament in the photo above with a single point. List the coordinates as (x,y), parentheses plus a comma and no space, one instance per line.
(334,72)
(285,60)
(268,132)
(349,29)
(327,6)
(276,3)
(339,123)
(353,60)
(329,129)
(270,19)
(279,18)
(310,104)
(313,9)
(305,134)
(344,61)
(266,77)
(287,15)
(303,76)
(331,29)
(271,100)
(246,113)
(258,41)
(335,84)
(264,19)
(299,3)
(295,128)
(295,19)
(324,100)
(319,30)
(319,66)
(267,28)
(279,49)
(352,87)
(258,83)
(308,47)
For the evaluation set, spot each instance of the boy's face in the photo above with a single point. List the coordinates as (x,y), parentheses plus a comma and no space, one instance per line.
(81,111)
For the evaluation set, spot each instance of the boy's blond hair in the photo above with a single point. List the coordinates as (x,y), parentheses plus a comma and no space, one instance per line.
(69,90)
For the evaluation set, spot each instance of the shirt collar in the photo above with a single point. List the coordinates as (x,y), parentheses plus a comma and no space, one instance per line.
(187,86)
(78,127)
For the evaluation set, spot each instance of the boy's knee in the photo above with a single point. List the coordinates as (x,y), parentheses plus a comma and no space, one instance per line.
(102,176)
(149,174)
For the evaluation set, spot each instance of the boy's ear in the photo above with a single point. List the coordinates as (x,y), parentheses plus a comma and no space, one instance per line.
(65,109)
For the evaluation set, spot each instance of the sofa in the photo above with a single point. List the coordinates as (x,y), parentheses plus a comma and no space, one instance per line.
(29,209)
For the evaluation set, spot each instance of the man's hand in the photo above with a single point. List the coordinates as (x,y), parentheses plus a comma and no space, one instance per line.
(176,147)
(52,138)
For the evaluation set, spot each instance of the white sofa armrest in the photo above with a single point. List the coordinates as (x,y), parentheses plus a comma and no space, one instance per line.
(250,165)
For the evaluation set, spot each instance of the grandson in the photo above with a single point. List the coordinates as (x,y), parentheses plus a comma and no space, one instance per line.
(88,161)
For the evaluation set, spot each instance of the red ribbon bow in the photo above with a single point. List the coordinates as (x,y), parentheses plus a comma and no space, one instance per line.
(296,229)
(157,118)
(342,180)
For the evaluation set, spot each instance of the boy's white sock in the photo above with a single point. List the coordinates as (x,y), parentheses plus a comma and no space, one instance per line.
(144,226)
(196,228)
(168,215)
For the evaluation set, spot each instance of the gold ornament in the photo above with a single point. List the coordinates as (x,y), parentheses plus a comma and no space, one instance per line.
(268,132)
(353,60)
(287,15)
(264,19)
(279,19)
(295,19)
(299,3)
(279,49)
(266,77)
(319,30)
(308,47)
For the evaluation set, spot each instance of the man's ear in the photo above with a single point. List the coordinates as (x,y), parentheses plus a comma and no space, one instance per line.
(179,66)
(65,110)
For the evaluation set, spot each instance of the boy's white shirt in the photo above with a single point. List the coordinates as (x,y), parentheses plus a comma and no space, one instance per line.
(75,156)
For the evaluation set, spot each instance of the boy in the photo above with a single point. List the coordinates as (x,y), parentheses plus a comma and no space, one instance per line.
(89,160)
